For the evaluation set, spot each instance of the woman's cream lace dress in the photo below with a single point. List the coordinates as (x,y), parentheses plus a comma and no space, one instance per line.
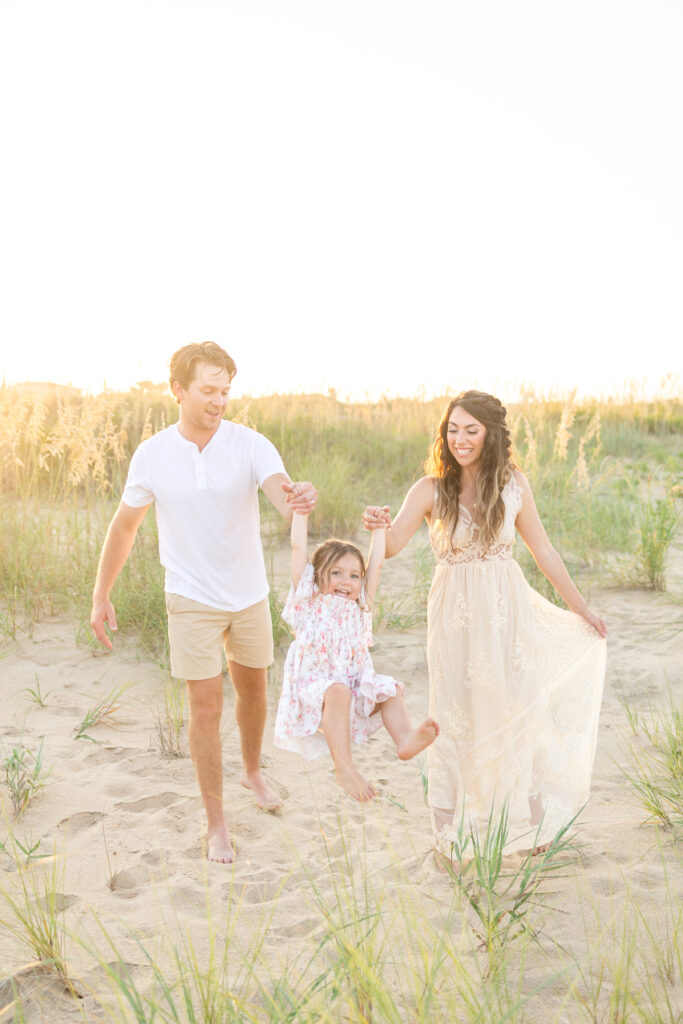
(515,684)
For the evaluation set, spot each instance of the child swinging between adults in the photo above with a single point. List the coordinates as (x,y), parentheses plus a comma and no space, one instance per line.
(203,474)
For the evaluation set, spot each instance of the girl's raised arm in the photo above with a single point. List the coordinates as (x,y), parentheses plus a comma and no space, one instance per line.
(299,538)
(548,560)
(378,546)
(418,503)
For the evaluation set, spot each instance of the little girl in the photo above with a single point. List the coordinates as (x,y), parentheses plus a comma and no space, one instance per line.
(330,692)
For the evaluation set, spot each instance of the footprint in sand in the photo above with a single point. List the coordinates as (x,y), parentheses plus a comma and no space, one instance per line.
(296,929)
(341,867)
(606,885)
(649,878)
(189,898)
(119,789)
(261,888)
(61,903)
(194,853)
(154,857)
(80,821)
(149,803)
(337,847)
(127,882)
(62,711)
(111,755)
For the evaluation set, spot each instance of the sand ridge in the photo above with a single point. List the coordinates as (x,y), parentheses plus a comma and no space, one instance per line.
(128,822)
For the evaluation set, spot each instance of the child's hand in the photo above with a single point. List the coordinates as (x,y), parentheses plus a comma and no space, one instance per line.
(301,497)
(377,517)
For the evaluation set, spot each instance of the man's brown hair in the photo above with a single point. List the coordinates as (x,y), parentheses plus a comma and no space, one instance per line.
(183,362)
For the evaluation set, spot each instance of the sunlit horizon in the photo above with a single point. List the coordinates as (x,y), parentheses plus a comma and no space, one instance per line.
(668,387)
(374,198)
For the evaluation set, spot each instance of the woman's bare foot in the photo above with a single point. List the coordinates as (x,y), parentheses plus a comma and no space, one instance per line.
(266,797)
(540,849)
(355,785)
(417,739)
(443,863)
(219,846)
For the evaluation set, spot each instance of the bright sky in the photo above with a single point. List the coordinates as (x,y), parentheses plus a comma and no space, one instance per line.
(371,195)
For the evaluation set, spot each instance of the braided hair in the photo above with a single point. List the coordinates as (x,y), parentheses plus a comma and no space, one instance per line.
(494,471)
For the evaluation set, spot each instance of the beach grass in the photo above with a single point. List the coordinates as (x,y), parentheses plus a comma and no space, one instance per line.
(374,956)
(484,945)
(171,720)
(654,764)
(24,774)
(31,910)
(607,477)
(102,710)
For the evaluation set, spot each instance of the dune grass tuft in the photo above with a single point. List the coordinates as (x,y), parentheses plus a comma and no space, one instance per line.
(654,765)
(23,775)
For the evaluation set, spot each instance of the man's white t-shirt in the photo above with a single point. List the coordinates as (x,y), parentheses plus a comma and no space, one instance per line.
(207,511)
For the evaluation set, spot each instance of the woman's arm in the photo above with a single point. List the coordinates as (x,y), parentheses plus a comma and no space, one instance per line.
(532,532)
(299,538)
(417,504)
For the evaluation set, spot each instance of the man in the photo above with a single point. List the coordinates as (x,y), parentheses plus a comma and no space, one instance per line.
(204,473)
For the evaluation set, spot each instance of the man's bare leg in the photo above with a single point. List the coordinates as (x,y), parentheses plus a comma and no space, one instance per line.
(206,704)
(337,731)
(409,741)
(250,713)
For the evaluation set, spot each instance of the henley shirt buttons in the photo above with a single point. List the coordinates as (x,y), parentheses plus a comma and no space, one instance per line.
(199,474)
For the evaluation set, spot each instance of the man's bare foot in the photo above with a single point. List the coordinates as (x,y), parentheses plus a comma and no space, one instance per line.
(266,797)
(418,739)
(219,846)
(355,785)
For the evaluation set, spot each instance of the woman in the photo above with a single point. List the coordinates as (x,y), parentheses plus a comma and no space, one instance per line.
(515,682)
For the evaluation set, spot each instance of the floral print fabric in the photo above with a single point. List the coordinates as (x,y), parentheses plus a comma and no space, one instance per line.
(332,637)
(516,685)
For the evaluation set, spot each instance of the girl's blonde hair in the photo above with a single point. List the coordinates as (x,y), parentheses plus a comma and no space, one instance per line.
(494,472)
(329,552)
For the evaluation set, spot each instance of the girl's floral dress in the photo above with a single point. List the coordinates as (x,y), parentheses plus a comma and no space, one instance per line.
(332,637)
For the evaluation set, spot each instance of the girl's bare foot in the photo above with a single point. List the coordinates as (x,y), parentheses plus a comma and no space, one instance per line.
(266,797)
(355,785)
(219,846)
(417,739)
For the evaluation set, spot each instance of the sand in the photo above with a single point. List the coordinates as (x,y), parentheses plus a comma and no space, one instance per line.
(127,824)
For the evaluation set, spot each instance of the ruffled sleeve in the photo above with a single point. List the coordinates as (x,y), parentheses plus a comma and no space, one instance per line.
(297,600)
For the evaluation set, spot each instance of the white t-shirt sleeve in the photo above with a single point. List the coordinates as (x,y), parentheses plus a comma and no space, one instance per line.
(137,493)
(267,459)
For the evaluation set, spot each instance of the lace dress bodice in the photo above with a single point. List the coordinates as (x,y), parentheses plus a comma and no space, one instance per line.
(464,545)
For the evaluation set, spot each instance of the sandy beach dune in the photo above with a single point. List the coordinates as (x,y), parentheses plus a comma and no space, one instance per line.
(126,823)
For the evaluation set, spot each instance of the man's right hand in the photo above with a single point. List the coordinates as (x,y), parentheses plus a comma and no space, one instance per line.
(103,611)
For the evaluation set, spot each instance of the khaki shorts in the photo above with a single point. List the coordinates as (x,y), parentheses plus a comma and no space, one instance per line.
(196,633)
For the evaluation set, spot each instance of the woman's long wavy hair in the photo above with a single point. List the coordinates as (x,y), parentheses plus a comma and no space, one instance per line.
(494,471)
